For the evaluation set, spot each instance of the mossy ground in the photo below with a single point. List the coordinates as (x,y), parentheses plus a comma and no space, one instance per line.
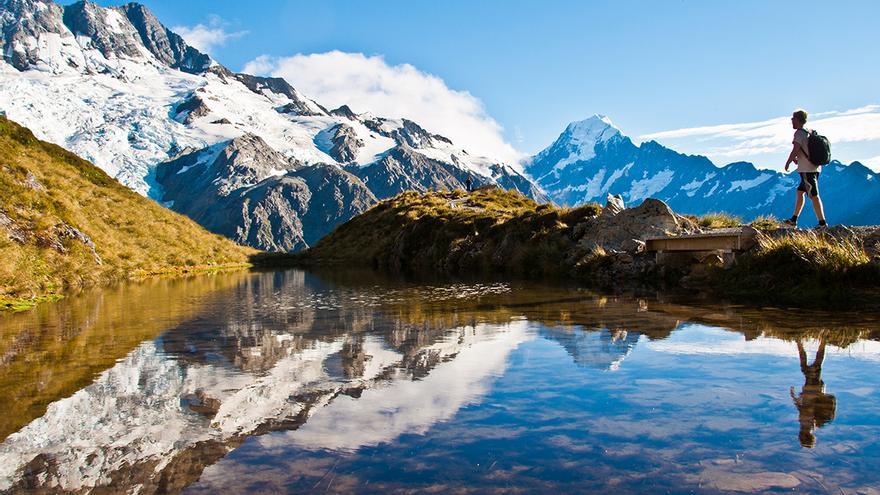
(45,187)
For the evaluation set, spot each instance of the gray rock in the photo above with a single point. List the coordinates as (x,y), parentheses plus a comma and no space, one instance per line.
(65,231)
(299,104)
(22,20)
(652,218)
(191,109)
(613,205)
(137,29)
(32,182)
(13,231)
(344,111)
(88,19)
(245,190)
(165,45)
(632,246)
(345,143)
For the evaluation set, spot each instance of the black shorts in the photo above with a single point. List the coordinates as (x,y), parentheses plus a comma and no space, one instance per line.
(809,183)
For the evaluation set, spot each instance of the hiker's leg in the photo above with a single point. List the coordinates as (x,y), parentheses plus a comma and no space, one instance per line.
(798,203)
(818,208)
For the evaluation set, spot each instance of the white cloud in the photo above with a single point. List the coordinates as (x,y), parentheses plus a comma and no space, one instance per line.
(205,37)
(853,134)
(370,84)
(260,66)
(873,162)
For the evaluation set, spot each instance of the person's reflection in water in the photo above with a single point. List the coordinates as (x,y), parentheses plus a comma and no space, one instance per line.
(815,407)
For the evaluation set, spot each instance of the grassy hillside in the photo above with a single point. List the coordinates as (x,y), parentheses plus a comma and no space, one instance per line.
(456,233)
(65,223)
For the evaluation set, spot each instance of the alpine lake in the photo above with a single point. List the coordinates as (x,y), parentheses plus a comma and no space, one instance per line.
(291,382)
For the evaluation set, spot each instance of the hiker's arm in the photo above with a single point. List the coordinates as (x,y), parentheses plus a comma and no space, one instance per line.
(792,157)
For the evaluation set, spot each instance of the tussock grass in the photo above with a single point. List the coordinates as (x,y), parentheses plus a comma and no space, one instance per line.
(718,221)
(455,232)
(802,267)
(766,222)
(133,236)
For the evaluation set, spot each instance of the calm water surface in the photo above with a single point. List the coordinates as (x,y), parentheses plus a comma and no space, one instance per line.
(293,382)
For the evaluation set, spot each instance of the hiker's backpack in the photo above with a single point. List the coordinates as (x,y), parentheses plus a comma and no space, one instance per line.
(819,148)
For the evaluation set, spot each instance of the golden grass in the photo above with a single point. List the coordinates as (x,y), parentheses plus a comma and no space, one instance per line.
(133,235)
(802,268)
(455,232)
(718,221)
(766,222)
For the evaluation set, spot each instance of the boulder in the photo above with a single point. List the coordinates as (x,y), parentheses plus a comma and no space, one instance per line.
(617,231)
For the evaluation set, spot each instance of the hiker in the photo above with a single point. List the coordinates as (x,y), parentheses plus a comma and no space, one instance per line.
(808,171)
(815,407)
(468,183)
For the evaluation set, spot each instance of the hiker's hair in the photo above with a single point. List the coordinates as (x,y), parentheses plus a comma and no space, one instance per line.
(801,115)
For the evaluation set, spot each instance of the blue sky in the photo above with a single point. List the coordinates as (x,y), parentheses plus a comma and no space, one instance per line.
(536,66)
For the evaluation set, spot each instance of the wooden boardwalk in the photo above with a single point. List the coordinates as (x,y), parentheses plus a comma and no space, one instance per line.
(727,240)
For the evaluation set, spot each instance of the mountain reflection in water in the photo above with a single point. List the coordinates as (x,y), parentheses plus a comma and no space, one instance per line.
(288,381)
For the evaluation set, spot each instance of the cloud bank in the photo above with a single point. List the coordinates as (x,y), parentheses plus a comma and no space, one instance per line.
(854,133)
(370,84)
(205,38)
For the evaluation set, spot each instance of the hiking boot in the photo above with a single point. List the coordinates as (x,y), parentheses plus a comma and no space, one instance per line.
(791,222)
(822,226)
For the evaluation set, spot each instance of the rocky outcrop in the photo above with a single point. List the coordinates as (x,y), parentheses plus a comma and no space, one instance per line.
(129,31)
(344,111)
(165,45)
(191,109)
(112,37)
(299,104)
(404,169)
(615,229)
(25,21)
(245,190)
(291,212)
(345,143)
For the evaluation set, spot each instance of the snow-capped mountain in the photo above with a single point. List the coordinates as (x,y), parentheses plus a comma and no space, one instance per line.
(118,88)
(592,159)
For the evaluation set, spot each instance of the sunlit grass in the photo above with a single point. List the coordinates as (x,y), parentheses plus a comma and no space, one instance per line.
(718,221)
(766,222)
(455,232)
(133,236)
(802,267)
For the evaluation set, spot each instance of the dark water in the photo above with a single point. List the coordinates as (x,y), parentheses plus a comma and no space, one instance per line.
(291,382)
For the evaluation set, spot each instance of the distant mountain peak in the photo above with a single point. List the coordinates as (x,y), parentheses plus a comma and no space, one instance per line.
(595,129)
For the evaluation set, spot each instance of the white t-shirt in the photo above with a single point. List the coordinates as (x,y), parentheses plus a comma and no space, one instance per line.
(801,137)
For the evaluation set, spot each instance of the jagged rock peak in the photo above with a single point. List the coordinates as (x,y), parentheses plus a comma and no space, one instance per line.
(167,46)
(299,104)
(344,111)
(130,31)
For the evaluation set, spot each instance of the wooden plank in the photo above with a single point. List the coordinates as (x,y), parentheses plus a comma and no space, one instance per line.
(708,243)
(723,239)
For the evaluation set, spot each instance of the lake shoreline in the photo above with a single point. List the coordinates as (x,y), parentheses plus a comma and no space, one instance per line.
(500,233)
